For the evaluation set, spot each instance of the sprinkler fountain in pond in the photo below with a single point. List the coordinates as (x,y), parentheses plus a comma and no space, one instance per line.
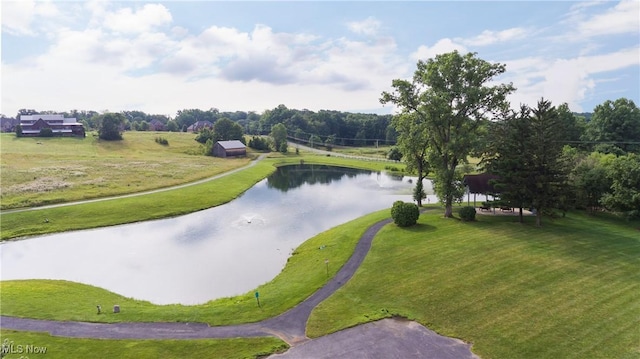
(249,219)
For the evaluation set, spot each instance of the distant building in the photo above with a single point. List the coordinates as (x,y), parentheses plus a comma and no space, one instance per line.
(199,126)
(59,125)
(8,124)
(156,125)
(233,148)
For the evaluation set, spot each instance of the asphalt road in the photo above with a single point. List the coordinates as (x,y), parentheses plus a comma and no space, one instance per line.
(388,338)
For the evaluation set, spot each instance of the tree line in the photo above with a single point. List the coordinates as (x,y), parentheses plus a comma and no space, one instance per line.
(322,127)
(544,156)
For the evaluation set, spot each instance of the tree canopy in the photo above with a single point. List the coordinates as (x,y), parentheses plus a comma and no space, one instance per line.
(449,97)
(615,127)
(110,126)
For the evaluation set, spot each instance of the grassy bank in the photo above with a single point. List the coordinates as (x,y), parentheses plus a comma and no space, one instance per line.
(304,273)
(568,290)
(158,205)
(69,348)
(38,171)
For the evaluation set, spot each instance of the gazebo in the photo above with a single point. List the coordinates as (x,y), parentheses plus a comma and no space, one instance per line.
(479,184)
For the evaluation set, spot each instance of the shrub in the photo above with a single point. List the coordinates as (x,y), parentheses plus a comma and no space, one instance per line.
(46,132)
(163,141)
(259,143)
(467,214)
(405,214)
(394,154)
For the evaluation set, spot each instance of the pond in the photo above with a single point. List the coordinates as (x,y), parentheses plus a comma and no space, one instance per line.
(214,253)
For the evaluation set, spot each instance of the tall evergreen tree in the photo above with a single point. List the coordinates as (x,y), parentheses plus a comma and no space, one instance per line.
(545,151)
(508,158)
(526,154)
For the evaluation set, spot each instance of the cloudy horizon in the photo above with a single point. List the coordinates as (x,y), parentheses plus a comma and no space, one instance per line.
(162,57)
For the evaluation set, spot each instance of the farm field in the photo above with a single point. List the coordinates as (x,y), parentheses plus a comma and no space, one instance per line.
(37,171)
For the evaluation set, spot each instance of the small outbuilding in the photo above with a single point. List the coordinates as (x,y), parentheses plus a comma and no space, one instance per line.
(480,184)
(232,148)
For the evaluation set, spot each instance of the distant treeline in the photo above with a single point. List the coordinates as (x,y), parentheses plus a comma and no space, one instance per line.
(345,128)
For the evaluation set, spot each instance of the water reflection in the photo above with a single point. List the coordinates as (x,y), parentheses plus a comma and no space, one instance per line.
(290,177)
(210,254)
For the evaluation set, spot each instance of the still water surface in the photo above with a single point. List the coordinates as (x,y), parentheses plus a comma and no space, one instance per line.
(215,253)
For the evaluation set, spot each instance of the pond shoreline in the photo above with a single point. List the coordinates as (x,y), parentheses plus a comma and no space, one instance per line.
(170,202)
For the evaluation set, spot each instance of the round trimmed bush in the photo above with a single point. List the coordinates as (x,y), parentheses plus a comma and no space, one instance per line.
(405,214)
(467,214)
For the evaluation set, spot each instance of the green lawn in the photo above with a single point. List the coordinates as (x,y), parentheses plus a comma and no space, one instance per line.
(70,348)
(568,290)
(304,273)
(158,205)
(37,171)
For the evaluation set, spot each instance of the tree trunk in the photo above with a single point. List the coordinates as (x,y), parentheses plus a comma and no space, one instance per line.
(448,209)
(521,217)
(538,218)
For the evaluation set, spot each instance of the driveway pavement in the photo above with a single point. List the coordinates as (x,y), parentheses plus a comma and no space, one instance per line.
(388,338)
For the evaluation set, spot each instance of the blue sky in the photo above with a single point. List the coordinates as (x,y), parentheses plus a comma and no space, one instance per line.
(161,57)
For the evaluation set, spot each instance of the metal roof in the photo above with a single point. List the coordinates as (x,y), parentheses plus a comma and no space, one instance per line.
(231,145)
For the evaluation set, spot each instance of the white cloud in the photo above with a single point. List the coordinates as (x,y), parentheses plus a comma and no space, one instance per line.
(622,18)
(368,26)
(147,18)
(489,37)
(442,46)
(563,80)
(21,17)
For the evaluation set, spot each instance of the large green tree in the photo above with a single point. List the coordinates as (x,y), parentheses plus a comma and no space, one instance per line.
(624,196)
(615,127)
(450,97)
(224,130)
(507,157)
(526,154)
(590,180)
(110,126)
(413,141)
(279,135)
(548,170)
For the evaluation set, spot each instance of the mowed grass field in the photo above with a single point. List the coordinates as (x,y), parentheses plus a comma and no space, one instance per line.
(570,289)
(38,171)
(69,348)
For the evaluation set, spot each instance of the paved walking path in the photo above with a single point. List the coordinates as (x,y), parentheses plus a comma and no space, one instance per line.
(290,326)
(136,194)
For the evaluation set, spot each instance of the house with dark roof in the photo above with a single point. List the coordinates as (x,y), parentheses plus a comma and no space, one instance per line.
(8,124)
(232,148)
(156,125)
(199,126)
(59,125)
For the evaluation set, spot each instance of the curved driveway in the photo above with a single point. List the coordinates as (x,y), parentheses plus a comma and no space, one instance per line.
(396,338)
